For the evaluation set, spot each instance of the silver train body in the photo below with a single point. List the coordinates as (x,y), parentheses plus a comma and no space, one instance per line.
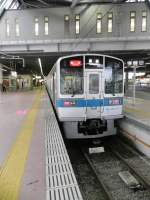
(87,92)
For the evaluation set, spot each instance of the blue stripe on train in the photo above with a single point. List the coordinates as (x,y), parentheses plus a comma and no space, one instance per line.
(89,102)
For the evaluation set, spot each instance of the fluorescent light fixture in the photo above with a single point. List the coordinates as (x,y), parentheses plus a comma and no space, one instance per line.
(3,69)
(38,77)
(14,73)
(40,64)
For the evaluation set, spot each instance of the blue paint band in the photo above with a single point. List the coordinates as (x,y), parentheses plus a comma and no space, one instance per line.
(89,102)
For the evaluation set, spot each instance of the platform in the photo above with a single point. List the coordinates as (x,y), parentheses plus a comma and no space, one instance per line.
(136,123)
(60,178)
(34,163)
(140,111)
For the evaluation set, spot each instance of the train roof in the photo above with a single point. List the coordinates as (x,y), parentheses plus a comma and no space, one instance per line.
(85,54)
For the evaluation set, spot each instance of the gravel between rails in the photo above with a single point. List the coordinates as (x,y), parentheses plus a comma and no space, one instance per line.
(138,161)
(87,181)
(108,167)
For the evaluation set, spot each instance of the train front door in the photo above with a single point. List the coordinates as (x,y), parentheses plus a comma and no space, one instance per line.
(94,94)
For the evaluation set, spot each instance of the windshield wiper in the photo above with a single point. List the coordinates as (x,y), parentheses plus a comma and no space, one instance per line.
(113,88)
(74,92)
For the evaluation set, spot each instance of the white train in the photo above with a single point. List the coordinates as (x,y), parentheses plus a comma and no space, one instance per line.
(87,92)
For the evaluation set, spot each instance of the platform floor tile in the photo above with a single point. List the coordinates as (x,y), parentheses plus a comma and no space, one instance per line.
(61,181)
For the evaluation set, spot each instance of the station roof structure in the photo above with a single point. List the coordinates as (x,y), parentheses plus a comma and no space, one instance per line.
(47,60)
(23,4)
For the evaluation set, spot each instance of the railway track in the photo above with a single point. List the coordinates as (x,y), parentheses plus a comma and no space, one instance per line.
(130,157)
(104,187)
(98,177)
(91,185)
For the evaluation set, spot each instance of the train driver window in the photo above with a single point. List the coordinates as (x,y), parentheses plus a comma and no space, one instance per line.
(113,76)
(71,77)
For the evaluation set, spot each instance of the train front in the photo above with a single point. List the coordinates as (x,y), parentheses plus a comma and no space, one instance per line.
(90,95)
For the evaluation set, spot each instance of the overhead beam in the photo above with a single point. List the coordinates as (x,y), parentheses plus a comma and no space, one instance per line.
(22,4)
(147,3)
(74,3)
(43,2)
(32,5)
(101,1)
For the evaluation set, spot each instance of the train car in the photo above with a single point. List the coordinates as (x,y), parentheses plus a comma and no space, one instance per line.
(87,93)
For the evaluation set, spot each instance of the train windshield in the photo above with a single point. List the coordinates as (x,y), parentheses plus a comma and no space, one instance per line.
(113,76)
(71,76)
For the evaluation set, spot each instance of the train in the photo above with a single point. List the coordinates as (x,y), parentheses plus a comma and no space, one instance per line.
(87,93)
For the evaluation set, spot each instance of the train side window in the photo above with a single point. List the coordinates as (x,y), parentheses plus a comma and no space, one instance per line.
(93,83)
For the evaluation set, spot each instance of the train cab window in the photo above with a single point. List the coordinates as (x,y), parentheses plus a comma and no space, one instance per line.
(113,76)
(71,76)
(93,83)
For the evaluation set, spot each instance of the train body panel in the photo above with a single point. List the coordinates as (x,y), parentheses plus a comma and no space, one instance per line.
(87,93)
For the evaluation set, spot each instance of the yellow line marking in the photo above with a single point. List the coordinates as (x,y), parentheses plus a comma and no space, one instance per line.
(134,138)
(13,167)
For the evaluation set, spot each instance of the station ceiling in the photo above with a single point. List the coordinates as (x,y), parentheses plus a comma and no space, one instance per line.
(31,64)
(71,3)
(48,59)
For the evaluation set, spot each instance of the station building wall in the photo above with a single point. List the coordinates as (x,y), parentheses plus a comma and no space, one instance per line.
(59,29)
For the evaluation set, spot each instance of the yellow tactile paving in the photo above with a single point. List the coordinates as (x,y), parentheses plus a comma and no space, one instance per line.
(13,168)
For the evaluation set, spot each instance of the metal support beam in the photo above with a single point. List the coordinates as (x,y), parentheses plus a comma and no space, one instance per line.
(147,3)
(32,5)
(43,2)
(74,2)
(22,4)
